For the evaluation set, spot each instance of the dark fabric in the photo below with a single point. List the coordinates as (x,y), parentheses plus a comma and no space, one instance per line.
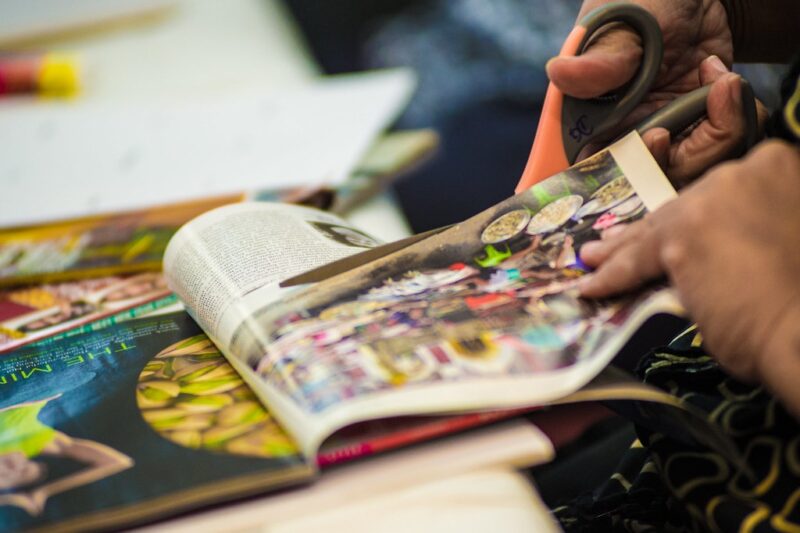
(763,30)
(668,486)
(595,454)
(785,121)
(482,154)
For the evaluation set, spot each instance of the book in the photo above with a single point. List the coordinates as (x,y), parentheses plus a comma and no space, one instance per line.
(363,490)
(484,315)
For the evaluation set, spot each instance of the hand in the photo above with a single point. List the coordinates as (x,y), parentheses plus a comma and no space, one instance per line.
(698,51)
(729,246)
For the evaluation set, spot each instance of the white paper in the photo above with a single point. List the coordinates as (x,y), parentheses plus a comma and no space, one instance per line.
(66,160)
(229,262)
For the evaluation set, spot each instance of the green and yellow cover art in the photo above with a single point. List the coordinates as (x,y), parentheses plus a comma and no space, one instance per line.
(135,421)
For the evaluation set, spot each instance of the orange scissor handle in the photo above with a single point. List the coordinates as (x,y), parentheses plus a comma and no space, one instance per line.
(568,124)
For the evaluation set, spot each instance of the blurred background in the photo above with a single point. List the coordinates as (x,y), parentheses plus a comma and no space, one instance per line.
(481,84)
(479,68)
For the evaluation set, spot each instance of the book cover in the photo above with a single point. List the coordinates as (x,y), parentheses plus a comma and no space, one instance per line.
(129,423)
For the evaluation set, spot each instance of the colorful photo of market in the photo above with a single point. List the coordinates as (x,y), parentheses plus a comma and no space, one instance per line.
(505,303)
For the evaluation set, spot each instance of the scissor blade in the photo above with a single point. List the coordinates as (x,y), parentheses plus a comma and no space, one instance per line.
(352,261)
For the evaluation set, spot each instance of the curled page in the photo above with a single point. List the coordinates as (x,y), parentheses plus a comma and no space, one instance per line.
(227,263)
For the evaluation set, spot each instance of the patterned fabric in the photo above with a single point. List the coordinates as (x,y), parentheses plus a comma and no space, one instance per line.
(785,122)
(669,486)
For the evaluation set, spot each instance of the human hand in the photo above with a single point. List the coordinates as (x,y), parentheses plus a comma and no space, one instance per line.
(729,246)
(698,51)
(16,470)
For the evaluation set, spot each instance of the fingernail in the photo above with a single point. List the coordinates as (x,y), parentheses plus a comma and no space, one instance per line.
(591,247)
(613,231)
(735,89)
(657,140)
(585,283)
(716,63)
(549,62)
(661,136)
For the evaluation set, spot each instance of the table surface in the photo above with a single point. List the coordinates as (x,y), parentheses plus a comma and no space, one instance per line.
(460,483)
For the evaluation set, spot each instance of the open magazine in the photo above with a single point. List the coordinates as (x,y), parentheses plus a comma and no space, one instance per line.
(484,315)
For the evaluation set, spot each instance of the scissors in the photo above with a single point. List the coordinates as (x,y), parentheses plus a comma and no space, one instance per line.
(568,124)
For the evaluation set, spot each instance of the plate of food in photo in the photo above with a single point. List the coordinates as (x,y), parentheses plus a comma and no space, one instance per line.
(609,195)
(506,227)
(628,208)
(554,215)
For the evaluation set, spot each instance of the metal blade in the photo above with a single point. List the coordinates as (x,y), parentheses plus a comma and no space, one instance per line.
(350,262)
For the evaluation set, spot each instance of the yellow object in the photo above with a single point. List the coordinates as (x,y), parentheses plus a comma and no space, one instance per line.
(59,76)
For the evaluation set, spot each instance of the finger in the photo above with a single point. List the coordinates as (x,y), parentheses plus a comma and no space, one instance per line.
(657,141)
(609,62)
(711,69)
(613,231)
(716,138)
(594,253)
(630,266)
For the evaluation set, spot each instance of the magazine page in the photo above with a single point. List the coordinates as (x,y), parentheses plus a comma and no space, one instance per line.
(483,315)
(89,247)
(36,312)
(228,263)
(133,422)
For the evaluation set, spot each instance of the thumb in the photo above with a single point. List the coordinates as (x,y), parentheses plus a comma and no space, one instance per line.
(608,63)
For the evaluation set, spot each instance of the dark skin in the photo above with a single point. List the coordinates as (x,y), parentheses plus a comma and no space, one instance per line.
(698,51)
(728,244)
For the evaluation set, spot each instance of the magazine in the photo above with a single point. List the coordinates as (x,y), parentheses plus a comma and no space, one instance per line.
(130,422)
(145,419)
(89,247)
(482,316)
(35,312)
